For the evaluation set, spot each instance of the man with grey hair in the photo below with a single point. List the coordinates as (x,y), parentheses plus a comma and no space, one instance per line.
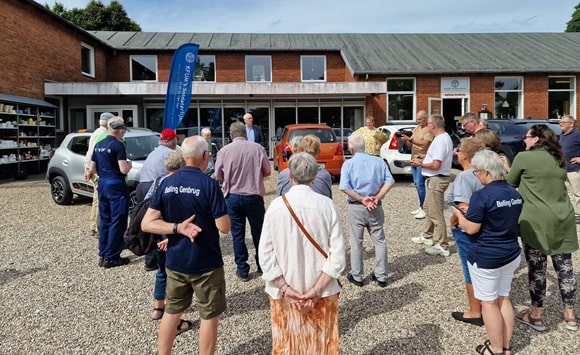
(194,263)
(94,216)
(253,133)
(109,162)
(365,180)
(436,168)
(242,166)
(570,143)
(470,122)
(206,133)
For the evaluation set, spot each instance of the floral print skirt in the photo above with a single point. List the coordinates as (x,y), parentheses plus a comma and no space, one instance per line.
(308,331)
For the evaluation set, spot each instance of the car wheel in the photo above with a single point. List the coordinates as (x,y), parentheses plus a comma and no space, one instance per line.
(132,200)
(60,191)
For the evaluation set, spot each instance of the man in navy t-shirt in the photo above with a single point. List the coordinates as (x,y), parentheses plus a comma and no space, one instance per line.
(109,162)
(194,261)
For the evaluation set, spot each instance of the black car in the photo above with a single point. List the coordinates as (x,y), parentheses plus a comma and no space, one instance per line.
(512,133)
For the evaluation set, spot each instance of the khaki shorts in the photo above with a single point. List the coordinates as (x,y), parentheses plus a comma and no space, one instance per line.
(210,289)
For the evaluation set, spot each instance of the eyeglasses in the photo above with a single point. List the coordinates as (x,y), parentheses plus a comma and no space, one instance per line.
(567,122)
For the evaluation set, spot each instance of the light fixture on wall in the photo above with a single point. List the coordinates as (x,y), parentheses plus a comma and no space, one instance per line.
(505,104)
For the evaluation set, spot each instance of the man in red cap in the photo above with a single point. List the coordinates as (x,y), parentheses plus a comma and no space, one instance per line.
(153,168)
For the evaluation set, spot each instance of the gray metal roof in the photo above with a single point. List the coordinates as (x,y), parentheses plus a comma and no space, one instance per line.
(388,54)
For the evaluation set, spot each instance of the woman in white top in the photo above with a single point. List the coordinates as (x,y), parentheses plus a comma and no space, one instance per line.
(302,283)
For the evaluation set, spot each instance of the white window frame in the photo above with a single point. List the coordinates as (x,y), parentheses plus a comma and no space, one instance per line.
(114,109)
(572,92)
(520,113)
(248,72)
(302,57)
(413,92)
(91,63)
(131,57)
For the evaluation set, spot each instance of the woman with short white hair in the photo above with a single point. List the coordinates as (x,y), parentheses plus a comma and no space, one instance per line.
(494,254)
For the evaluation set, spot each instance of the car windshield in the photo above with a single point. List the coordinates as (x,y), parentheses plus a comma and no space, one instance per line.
(138,148)
(325,135)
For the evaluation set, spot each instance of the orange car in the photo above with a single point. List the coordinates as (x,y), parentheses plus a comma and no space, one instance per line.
(331,152)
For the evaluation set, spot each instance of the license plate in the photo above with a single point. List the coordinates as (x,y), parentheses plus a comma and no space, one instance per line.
(321,165)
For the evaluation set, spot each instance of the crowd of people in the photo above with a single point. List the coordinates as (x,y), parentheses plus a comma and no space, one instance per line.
(198,192)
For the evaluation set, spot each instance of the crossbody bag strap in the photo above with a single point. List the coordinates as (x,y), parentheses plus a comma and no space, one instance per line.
(301,226)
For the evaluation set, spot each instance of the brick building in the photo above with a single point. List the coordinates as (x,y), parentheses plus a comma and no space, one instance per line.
(336,79)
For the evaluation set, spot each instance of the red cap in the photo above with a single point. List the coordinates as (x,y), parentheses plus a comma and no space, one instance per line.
(168,134)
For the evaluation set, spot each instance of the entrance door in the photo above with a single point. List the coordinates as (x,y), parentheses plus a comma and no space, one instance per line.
(435,106)
(129,114)
(452,111)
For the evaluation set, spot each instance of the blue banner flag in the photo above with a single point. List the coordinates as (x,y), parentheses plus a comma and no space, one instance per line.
(179,85)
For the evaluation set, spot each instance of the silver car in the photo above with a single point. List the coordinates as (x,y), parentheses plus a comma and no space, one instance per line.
(67,167)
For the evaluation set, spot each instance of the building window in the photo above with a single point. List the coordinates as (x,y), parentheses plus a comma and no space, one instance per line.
(561,96)
(258,68)
(313,68)
(87,60)
(205,68)
(400,99)
(143,67)
(508,96)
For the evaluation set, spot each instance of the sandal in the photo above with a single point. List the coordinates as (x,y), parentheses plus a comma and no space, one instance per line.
(571,324)
(189,326)
(157,313)
(486,349)
(536,324)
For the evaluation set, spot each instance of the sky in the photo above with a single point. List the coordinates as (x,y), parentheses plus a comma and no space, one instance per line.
(345,16)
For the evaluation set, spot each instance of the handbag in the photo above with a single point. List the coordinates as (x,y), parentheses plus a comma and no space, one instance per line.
(308,236)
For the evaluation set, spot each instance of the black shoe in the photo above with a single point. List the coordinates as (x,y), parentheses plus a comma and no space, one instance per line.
(259,271)
(380,283)
(475,321)
(243,278)
(108,263)
(353,281)
(101,261)
(150,268)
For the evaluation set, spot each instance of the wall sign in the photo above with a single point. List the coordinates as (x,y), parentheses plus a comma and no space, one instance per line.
(454,87)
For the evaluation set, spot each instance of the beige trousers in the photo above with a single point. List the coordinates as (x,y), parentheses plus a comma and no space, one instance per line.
(94,217)
(434,208)
(573,187)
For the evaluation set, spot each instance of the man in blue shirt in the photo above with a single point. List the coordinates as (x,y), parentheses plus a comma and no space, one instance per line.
(109,162)
(365,180)
(570,143)
(253,133)
(194,261)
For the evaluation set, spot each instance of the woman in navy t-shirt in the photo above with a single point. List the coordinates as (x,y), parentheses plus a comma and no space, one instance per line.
(494,255)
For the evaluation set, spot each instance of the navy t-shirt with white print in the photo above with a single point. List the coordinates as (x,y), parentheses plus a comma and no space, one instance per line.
(497,208)
(189,191)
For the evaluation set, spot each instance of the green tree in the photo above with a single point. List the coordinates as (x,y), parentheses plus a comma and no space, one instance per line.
(574,24)
(97,17)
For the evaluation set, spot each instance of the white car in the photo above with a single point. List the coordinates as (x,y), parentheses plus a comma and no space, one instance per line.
(394,152)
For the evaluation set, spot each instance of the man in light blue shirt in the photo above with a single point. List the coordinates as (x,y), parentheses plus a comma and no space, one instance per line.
(253,133)
(365,180)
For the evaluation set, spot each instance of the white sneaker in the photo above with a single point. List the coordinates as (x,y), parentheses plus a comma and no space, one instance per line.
(420,214)
(417,210)
(437,250)
(421,240)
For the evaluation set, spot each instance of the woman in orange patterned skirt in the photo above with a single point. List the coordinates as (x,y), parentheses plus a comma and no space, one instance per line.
(301,274)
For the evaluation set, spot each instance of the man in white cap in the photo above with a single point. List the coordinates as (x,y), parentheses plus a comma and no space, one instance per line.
(94,216)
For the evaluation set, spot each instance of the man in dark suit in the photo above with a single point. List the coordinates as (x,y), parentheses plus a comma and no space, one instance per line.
(254,133)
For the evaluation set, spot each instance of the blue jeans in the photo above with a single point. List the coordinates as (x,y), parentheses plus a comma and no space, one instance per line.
(160,277)
(241,207)
(114,211)
(463,243)
(419,181)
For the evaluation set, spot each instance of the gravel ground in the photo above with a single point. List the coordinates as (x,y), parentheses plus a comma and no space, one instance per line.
(55,300)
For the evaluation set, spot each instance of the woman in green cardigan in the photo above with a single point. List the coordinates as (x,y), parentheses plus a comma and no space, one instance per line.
(547,224)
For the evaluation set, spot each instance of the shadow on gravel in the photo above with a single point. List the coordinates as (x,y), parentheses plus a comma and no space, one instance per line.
(257,345)
(427,340)
(247,302)
(375,302)
(407,264)
(8,275)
